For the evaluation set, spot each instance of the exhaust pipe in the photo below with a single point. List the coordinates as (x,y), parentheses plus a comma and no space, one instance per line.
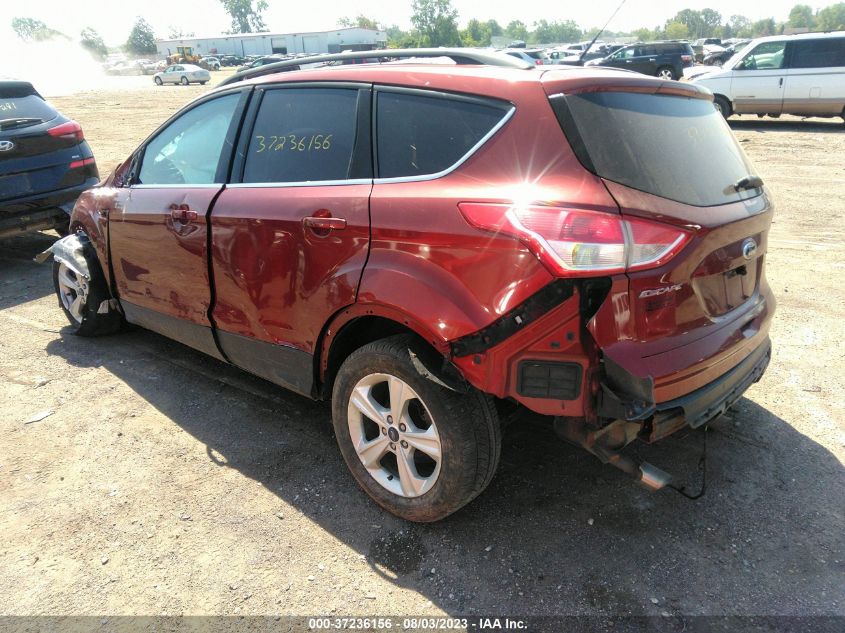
(616,435)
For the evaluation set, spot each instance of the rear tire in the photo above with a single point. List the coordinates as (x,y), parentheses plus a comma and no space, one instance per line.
(722,105)
(80,299)
(202,83)
(439,454)
(666,72)
(184,81)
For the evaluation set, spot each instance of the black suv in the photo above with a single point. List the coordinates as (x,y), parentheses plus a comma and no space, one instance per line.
(666,60)
(45,162)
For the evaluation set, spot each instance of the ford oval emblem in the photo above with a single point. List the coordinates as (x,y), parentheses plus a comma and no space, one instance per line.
(6,146)
(749,247)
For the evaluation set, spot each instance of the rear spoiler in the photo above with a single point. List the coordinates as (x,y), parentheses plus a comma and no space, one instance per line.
(465,56)
(17,90)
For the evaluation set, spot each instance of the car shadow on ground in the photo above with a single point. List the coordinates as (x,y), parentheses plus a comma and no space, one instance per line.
(750,123)
(16,268)
(557,531)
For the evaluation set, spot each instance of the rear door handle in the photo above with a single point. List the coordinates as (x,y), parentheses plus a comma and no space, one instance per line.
(325,224)
(182,213)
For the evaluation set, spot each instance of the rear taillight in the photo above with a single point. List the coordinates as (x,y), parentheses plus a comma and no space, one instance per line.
(68,130)
(538,62)
(578,243)
(81,163)
(686,59)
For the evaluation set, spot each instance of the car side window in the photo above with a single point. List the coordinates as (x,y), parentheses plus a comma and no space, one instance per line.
(766,56)
(821,53)
(419,135)
(303,135)
(188,151)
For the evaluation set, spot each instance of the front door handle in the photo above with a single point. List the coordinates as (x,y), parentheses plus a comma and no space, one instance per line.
(324,224)
(182,213)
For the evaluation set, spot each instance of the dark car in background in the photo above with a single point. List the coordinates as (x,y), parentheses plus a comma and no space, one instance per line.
(666,60)
(45,162)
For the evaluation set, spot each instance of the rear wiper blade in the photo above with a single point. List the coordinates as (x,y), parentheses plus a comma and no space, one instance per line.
(748,182)
(10,124)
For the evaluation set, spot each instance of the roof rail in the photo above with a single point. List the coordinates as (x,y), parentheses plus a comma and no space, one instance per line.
(458,55)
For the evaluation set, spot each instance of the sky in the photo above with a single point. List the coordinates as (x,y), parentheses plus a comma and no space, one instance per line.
(113,20)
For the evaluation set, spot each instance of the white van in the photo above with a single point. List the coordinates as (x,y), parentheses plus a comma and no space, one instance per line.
(787,74)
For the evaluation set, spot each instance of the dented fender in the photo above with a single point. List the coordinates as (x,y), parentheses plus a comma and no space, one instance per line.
(70,251)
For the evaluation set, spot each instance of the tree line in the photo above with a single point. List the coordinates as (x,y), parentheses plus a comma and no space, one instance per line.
(435,23)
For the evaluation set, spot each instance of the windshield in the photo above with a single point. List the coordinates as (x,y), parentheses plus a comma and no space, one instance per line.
(674,147)
(736,56)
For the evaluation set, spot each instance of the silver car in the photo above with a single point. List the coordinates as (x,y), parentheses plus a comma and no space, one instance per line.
(182,74)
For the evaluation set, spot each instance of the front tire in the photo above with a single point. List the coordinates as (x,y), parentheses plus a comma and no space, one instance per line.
(81,298)
(722,105)
(184,81)
(158,81)
(418,448)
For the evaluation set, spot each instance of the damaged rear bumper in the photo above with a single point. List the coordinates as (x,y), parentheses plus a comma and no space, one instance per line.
(693,409)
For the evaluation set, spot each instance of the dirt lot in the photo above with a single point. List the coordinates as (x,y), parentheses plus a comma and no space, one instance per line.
(166,482)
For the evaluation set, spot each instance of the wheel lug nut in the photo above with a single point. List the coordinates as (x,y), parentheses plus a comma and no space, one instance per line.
(404,444)
(390,419)
(392,446)
(383,431)
(402,427)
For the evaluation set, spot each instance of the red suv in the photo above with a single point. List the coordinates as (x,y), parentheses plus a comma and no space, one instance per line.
(433,247)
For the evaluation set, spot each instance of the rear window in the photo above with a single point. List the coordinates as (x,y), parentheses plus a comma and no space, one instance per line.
(423,136)
(31,106)
(673,147)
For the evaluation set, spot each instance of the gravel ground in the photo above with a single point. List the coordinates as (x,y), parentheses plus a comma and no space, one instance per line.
(139,477)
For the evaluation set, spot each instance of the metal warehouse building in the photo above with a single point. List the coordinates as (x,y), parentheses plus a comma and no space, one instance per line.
(355,39)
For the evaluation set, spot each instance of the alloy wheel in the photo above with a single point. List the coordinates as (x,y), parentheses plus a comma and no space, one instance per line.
(73,290)
(394,435)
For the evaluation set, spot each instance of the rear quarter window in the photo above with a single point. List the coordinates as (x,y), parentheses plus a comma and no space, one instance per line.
(419,135)
(674,147)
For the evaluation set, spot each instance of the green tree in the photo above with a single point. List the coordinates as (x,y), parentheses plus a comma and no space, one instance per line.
(704,23)
(476,34)
(711,22)
(740,26)
(436,21)
(646,34)
(546,32)
(397,38)
(246,15)
(831,18)
(495,28)
(361,22)
(142,39)
(677,31)
(93,43)
(516,30)
(801,16)
(32,29)
(766,26)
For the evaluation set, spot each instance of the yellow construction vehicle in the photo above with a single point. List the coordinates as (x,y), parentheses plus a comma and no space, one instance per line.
(183,55)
